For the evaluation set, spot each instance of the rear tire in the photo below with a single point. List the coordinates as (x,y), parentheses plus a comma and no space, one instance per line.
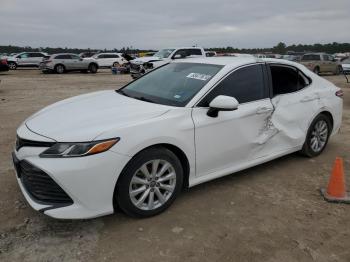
(60,69)
(12,65)
(93,68)
(116,64)
(156,175)
(317,70)
(338,70)
(317,136)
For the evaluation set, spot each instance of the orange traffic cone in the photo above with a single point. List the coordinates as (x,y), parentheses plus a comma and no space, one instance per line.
(336,186)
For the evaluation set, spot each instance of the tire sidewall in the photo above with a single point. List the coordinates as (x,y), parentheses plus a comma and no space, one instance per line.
(93,68)
(307,150)
(122,189)
(317,70)
(14,65)
(57,71)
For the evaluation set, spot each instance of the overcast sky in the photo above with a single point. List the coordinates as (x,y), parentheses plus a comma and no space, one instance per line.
(161,23)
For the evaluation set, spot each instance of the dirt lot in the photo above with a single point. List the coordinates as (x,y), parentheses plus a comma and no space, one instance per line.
(272,212)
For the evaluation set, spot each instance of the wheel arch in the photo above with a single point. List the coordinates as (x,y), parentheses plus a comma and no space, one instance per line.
(56,65)
(330,116)
(93,63)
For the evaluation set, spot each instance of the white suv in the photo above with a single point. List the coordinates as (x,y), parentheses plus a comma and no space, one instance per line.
(25,59)
(142,65)
(109,59)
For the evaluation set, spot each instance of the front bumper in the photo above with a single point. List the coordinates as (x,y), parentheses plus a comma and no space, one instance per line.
(88,181)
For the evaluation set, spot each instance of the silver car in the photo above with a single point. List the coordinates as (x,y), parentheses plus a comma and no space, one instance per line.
(25,59)
(61,63)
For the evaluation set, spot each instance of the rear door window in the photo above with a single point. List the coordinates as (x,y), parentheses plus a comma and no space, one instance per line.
(311,57)
(286,79)
(194,51)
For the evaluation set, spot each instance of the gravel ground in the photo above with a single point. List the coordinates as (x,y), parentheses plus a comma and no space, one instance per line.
(272,212)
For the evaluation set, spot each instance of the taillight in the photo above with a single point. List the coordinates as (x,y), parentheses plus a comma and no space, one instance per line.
(339,93)
(4,61)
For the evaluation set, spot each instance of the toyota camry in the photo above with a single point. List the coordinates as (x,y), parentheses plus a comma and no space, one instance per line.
(183,124)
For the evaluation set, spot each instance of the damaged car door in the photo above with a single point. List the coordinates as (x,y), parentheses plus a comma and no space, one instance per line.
(231,139)
(295,105)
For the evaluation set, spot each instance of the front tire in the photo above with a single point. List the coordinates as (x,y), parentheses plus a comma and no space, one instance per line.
(60,69)
(93,68)
(12,65)
(317,136)
(317,70)
(149,183)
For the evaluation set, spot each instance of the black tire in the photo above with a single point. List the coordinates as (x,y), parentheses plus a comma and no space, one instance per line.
(93,68)
(60,69)
(307,149)
(12,65)
(338,70)
(122,195)
(317,70)
(116,64)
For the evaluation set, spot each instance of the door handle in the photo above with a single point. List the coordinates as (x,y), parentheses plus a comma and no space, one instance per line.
(263,110)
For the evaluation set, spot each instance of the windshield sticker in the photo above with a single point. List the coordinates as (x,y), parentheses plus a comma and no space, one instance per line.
(177,96)
(199,76)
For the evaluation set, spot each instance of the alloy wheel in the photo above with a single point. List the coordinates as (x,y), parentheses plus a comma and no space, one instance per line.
(12,66)
(60,69)
(319,135)
(152,184)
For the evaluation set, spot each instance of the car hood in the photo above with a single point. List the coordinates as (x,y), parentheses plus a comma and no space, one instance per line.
(84,117)
(142,60)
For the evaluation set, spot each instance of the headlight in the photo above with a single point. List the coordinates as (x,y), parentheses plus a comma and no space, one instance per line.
(79,149)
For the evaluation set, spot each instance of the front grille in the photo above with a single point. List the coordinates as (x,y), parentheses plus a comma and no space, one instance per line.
(40,185)
(20,142)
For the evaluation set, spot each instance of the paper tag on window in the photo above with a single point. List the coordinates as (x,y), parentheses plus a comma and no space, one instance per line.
(199,76)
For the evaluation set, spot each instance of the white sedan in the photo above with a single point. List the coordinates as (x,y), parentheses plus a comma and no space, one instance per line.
(180,125)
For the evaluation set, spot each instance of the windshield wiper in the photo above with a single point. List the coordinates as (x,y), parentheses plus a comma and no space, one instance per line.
(142,98)
(120,91)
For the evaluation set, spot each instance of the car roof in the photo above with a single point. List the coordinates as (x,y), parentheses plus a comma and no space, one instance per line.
(182,47)
(109,53)
(235,61)
(65,54)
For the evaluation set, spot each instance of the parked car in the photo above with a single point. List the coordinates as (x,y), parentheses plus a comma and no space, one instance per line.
(107,60)
(3,65)
(185,123)
(142,65)
(87,54)
(345,64)
(210,53)
(25,59)
(146,54)
(65,62)
(321,63)
(290,58)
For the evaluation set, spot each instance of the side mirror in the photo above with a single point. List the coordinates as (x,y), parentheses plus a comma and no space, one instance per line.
(222,103)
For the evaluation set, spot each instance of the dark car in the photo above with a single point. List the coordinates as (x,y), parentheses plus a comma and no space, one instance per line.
(3,65)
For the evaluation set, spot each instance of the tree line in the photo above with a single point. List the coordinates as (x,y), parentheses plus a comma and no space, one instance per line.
(280,48)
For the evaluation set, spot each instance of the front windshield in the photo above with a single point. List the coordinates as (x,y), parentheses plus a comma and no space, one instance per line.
(164,53)
(174,84)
